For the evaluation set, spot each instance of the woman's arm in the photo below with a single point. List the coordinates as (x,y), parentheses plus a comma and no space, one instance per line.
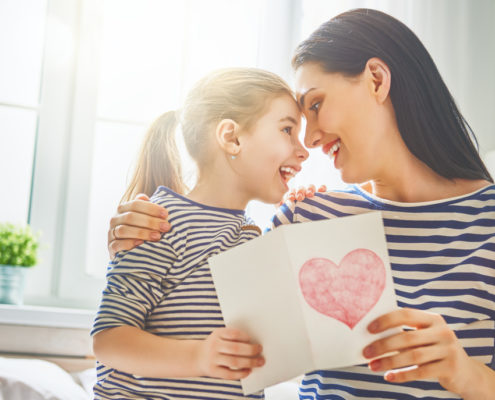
(226,353)
(136,221)
(434,348)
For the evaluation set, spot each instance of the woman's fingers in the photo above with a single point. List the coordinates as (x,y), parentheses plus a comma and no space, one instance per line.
(432,351)
(120,245)
(404,317)
(425,371)
(401,341)
(143,207)
(133,232)
(414,356)
(123,226)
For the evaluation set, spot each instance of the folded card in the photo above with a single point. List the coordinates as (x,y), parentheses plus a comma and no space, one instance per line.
(306,292)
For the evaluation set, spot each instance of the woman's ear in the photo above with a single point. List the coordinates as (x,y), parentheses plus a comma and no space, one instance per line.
(379,78)
(227,136)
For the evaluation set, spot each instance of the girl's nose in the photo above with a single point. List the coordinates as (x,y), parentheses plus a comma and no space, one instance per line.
(301,152)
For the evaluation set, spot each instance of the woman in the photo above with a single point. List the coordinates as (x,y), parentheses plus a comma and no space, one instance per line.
(374,102)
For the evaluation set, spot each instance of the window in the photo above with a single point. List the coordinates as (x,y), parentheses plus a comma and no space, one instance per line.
(19,105)
(106,69)
(80,81)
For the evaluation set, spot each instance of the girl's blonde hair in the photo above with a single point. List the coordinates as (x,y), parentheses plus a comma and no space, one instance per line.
(240,94)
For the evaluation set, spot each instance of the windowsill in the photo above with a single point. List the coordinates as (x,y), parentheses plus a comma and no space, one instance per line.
(46,316)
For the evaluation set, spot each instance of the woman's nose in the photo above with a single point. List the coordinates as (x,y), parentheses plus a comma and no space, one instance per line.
(312,136)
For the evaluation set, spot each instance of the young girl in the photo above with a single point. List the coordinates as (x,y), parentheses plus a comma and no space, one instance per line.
(159,332)
(375,102)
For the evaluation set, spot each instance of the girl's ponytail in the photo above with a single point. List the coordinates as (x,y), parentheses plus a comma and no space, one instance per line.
(158,162)
(240,94)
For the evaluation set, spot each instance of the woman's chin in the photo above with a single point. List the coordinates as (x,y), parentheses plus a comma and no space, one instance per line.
(351,178)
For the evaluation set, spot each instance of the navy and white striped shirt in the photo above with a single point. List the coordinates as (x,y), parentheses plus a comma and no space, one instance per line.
(442,255)
(166,288)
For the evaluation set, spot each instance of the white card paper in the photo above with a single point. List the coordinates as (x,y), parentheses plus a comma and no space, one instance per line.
(306,292)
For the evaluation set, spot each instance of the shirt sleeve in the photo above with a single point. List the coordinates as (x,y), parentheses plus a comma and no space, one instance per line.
(134,285)
(285,215)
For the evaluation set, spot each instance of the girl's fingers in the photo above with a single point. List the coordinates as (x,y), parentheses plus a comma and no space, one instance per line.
(401,341)
(231,374)
(414,356)
(236,363)
(239,349)
(234,335)
(322,189)
(310,193)
(407,317)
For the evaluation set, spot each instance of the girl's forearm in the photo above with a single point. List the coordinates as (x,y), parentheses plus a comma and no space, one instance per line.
(132,350)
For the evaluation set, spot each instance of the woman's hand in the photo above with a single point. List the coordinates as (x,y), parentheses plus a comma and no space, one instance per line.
(301,193)
(136,221)
(228,354)
(433,347)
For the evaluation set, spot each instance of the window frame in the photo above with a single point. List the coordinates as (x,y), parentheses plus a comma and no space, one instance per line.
(66,132)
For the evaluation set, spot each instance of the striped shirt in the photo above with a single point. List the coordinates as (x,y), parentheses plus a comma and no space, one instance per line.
(166,288)
(442,255)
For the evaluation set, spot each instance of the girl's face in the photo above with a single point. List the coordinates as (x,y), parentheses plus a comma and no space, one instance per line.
(344,118)
(271,153)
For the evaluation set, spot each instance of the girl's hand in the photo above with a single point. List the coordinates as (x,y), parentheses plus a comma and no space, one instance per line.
(228,354)
(432,347)
(301,193)
(136,221)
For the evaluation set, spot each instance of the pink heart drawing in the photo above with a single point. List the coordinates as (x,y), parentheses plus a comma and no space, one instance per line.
(345,292)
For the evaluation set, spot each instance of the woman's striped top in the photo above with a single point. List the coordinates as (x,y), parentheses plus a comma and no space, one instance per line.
(442,255)
(166,288)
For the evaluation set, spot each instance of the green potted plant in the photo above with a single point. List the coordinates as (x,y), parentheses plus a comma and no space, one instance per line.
(18,251)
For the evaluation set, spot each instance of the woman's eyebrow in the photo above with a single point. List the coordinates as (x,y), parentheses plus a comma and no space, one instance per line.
(301,99)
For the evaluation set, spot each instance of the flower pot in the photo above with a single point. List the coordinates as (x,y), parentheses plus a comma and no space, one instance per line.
(11,284)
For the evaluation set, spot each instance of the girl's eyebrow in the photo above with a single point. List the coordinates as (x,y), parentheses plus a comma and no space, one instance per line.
(289,118)
(301,99)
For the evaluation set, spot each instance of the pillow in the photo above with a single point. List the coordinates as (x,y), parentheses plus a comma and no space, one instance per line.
(27,379)
(86,379)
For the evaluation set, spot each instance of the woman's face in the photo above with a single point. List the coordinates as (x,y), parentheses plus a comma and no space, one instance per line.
(344,118)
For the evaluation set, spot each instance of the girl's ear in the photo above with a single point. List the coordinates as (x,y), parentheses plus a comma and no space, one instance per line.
(227,136)
(379,78)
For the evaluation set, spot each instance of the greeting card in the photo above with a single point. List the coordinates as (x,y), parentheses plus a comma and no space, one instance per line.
(306,292)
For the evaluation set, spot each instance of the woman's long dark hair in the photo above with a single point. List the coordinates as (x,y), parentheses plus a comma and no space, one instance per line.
(428,119)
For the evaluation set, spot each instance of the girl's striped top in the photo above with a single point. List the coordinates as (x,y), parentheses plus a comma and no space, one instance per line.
(442,255)
(166,288)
